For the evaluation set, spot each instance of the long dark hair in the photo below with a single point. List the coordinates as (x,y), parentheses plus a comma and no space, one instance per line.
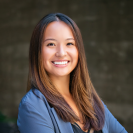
(81,88)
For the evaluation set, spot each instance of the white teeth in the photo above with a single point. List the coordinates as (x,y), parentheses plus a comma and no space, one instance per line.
(61,63)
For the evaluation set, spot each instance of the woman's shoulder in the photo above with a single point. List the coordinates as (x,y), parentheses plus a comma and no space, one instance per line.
(33,98)
(33,113)
(111,123)
(108,114)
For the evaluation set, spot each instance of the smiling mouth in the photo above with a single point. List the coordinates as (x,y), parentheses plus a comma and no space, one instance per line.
(60,62)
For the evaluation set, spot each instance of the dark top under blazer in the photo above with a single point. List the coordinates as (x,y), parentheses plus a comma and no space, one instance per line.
(77,129)
(36,116)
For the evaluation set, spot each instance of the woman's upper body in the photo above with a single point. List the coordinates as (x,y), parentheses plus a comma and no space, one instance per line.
(58,69)
(37,116)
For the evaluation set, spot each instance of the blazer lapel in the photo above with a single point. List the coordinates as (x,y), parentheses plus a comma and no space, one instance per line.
(64,127)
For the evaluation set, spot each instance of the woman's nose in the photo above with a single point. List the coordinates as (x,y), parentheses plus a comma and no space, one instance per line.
(61,51)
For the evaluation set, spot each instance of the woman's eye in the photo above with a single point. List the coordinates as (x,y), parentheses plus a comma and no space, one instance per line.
(51,44)
(69,43)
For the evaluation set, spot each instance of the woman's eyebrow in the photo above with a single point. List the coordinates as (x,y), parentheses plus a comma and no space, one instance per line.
(50,39)
(70,39)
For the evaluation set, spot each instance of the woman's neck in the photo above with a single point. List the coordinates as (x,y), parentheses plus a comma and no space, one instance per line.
(61,84)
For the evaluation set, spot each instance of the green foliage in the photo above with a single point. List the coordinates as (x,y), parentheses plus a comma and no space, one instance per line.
(2,117)
(5,119)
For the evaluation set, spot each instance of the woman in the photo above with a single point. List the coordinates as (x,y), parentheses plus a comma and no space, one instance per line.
(61,97)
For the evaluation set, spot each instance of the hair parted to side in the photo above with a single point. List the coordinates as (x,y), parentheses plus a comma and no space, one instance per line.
(81,88)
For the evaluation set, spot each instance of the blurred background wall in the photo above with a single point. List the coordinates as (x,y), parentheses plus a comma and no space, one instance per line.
(107,30)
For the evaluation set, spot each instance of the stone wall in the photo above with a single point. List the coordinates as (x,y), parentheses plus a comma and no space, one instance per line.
(107,30)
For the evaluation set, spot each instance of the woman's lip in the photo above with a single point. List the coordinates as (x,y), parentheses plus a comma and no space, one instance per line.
(60,61)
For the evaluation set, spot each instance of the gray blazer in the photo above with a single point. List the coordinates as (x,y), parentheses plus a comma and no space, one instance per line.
(36,116)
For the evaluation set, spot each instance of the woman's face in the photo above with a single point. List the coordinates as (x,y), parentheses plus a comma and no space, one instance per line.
(59,51)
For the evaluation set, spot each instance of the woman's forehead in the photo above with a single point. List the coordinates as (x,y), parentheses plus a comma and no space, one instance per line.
(58,29)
